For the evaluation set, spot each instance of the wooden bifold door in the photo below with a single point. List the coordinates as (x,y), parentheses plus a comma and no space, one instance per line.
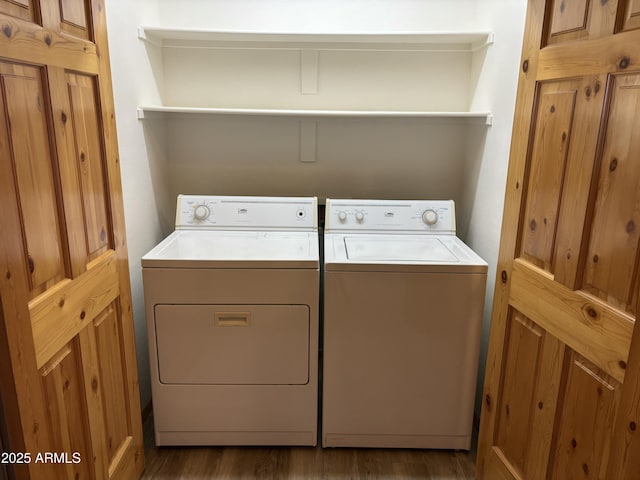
(68,369)
(562,391)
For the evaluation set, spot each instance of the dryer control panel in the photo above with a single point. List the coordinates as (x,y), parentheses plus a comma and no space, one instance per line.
(246,213)
(419,216)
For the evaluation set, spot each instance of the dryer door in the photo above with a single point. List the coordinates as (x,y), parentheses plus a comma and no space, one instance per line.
(233,344)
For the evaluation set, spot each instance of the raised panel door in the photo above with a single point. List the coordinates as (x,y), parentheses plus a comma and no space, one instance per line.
(66,331)
(580,19)
(561,394)
(23,9)
(631,15)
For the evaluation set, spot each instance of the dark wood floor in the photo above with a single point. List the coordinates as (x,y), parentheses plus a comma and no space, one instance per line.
(306,463)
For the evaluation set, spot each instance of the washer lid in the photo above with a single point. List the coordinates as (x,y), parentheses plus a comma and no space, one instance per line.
(403,249)
(400,253)
(235,249)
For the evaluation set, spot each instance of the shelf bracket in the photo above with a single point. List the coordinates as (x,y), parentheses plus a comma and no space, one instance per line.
(149,38)
(485,42)
(308,71)
(308,140)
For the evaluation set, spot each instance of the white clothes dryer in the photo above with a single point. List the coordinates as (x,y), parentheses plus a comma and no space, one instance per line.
(403,307)
(232,301)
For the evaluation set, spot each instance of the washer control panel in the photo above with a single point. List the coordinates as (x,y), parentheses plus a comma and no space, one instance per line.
(431,216)
(244,213)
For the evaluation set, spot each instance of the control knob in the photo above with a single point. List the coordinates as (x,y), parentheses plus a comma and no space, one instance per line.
(430,217)
(359,217)
(342,216)
(201,212)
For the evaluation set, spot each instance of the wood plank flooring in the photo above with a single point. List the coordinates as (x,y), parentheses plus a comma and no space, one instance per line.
(304,463)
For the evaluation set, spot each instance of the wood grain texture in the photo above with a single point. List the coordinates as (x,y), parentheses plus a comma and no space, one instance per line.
(487,461)
(301,463)
(18,8)
(596,330)
(555,111)
(24,104)
(579,19)
(612,260)
(625,448)
(38,45)
(64,391)
(568,258)
(589,404)
(71,382)
(522,359)
(553,357)
(631,17)
(64,310)
(569,16)
(576,188)
(590,57)
(89,162)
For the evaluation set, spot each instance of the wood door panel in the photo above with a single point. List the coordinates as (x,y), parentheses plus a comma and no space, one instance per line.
(577,185)
(58,315)
(64,391)
(598,56)
(625,461)
(73,18)
(577,281)
(112,375)
(575,318)
(568,16)
(555,111)
(112,435)
(28,149)
(611,268)
(577,19)
(522,357)
(588,410)
(73,12)
(631,19)
(34,44)
(88,152)
(530,388)
(66,329)
(22,9)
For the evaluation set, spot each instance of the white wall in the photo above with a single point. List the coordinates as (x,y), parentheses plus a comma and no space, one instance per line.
(142,159)
(320,15)
(384,158)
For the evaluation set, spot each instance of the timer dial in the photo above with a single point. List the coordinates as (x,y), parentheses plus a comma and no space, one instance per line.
(430,217)
(201,212)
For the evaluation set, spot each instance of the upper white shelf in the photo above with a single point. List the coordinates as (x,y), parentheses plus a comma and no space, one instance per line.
(149,110)
(422,41)
(317,75)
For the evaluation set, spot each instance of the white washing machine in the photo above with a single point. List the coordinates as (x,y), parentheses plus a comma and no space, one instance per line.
(403,305)
(232,301)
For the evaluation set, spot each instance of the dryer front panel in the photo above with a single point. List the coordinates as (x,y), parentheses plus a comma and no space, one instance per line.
(232,344)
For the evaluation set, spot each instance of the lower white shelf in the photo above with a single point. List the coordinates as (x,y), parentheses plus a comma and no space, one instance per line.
(148,111)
